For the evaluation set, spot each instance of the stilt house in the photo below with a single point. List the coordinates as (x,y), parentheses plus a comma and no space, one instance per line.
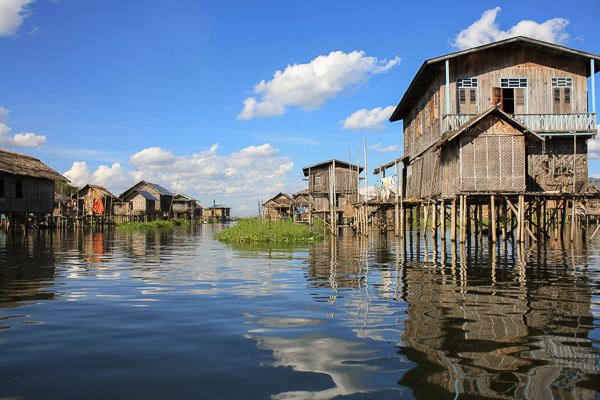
(90,197)
(162,198)
(26,185)
(279,206)
(301,206)
(332,187)
(186,207)
(507,117)
(219,212)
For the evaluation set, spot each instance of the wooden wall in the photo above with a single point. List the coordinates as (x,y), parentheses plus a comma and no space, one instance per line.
(345,180)
(553,169)
(37,194)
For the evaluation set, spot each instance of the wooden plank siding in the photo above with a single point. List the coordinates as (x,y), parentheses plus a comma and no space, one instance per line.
(20,193)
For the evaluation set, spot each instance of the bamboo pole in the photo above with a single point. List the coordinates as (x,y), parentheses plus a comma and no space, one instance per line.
(462,218)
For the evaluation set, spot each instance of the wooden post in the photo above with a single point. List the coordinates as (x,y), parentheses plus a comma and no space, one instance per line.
(418,217)
(504,211)
(434,216)
(462,218)
(521,219)
(492,223)
(573,219)
(425,218)
(453,221)
(397,206)
(443,220)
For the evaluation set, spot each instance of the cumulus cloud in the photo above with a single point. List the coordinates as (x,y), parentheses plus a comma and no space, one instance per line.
(310,85)
(242,177)
(377,147)
(594,146)
(27,139)
(12,14)
(369,120)
(486,30)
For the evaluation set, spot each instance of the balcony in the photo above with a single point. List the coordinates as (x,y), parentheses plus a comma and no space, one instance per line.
(538,123)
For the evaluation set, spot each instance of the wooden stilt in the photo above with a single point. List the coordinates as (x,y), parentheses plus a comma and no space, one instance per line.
(504,221)
(453,221)
(492,219)
(434,216)
(443,220)
(462,218)
(520,225)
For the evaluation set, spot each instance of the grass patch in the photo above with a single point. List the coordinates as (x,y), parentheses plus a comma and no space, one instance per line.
(152,224)
(256,230)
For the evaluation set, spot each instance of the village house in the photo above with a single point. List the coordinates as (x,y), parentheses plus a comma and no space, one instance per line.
(332,188)
(279,206)
(26,188)
(149,198)
(301,206)
(186,207)
(218,212)
(95,199)
(506,117)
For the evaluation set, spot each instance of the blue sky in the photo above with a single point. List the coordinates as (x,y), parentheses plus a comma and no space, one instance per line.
(228,100)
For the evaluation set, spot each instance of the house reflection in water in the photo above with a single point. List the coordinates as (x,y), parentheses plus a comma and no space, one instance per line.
(522,333)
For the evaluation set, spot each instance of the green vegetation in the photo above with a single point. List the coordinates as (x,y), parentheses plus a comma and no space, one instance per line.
(64,189)
(256,230)
(152,224)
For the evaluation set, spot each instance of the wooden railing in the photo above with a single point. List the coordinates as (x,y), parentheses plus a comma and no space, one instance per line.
(539,123)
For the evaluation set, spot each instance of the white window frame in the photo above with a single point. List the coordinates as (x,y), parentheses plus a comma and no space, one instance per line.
(468,83)
(517,83)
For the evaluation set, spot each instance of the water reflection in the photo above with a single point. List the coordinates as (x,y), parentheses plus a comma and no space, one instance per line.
(352,316)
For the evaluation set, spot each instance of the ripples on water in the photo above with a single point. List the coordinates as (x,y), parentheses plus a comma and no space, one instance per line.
(175,314)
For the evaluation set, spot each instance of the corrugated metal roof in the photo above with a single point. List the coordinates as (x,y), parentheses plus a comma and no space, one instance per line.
(147,195)
(160,189)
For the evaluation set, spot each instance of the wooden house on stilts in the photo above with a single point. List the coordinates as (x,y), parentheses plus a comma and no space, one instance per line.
(503,126)
(26,190)
(332,190)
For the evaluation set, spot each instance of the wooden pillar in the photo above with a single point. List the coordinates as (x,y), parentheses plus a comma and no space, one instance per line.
(504,211)
(443,220)
(462,218)
(425,218)
(434,216)
(418,217)
(397,206)
(520,218)
(573,218)
(453,221)
(492,222)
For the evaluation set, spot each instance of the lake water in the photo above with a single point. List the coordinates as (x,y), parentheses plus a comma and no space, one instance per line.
(174,314)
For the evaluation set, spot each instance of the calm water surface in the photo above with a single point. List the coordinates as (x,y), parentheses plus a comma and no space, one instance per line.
(174,314)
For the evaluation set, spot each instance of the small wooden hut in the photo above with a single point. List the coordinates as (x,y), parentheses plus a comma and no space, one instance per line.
(95,199)
(279,206)
(186,207)
(26,187)
(163,198)
(301,210)
(332,188)
(218,212)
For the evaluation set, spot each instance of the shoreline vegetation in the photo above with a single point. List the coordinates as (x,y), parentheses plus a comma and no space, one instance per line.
(256,230)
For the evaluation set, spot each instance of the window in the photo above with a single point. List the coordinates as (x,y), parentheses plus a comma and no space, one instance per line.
(511,96)
(561,95)
(467,95)
(19,189)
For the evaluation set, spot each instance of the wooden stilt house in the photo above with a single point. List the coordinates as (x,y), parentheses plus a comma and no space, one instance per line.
(510,116)
(95,199)
(26,187)
(162,198)
(332,188)
(279,206)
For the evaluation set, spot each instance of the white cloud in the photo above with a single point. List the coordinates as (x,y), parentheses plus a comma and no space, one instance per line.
(12,13)
(237,179)
(27,139)
(594,146)
(152,155)
(310,85)
(392,148)
(372,121)
(486,30)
